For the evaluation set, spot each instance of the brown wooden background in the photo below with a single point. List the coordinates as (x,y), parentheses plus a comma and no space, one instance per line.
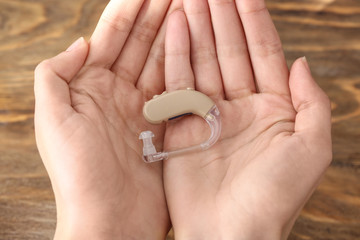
(326,31)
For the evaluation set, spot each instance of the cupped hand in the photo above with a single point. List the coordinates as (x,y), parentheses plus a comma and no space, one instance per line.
(88,118)
(275,142)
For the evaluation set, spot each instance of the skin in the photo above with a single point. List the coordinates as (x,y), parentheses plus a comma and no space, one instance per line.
(89,103)
(275,143)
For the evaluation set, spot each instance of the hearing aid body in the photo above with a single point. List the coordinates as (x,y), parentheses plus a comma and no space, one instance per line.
(169,106)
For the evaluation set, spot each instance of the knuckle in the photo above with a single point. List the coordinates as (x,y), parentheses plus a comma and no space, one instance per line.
(253,7)
(204,55)
(232,51)
(267,47)
(325,156)
(42,67)
(221,2)
(328,156)
(144,32)
(323,99)
(118,22)
(177,51)
(179,83)
(327,100)
(157,53)
(196,8)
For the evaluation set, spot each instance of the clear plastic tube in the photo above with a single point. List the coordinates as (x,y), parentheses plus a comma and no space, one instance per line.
(149,151)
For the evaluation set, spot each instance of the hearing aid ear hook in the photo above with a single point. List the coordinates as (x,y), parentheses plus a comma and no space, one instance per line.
(168,106)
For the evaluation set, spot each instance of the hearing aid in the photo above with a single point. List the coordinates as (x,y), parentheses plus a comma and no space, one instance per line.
(172,105)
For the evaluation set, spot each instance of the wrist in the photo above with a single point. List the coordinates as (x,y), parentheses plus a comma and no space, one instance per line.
(241,232)
(256,235)
(92,225)
(99,231)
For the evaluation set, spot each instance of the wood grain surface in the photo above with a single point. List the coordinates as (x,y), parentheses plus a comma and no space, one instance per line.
(327,32)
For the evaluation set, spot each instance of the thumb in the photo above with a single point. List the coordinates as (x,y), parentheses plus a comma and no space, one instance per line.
(52,77)
(313,119)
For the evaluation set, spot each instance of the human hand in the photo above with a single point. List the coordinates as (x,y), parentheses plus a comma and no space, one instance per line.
(275,143)
(88,105)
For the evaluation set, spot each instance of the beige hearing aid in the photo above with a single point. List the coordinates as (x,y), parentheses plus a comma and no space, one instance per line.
(169,106)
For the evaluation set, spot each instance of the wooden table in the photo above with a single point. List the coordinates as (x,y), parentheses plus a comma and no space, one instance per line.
(326,31)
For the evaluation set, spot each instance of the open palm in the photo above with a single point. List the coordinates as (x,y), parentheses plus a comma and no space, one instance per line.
(275,141)
(89,103)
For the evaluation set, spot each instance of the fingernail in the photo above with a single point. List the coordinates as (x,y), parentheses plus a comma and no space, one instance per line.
(306,64)
(75,45)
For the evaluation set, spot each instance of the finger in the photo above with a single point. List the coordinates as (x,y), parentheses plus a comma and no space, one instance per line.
(266,53)
(133,56)
(313,119)
(231,49)
(112,31)
(178,72)
(152,78)
(53,76)
(203,50)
